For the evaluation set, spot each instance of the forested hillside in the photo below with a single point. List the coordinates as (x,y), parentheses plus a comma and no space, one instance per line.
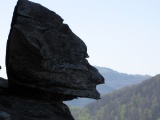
(138,102)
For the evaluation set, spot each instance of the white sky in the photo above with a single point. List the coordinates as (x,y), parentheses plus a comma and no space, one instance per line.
(123,35)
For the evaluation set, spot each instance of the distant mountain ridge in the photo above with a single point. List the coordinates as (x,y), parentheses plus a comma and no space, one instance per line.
(137,102)
(113,81)
(116,80)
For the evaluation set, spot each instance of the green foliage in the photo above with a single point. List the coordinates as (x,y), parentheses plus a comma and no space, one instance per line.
(122,112)
(81,113)
(138,102)
(100,114)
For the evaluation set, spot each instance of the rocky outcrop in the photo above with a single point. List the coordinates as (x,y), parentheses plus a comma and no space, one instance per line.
(15,106)
(46,64)
(43,53)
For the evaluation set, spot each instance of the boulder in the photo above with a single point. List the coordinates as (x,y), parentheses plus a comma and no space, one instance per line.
(43,54)
(24,107)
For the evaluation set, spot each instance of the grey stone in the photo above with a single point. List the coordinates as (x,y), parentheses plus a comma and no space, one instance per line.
(44,54)
(4,116)
(15,107)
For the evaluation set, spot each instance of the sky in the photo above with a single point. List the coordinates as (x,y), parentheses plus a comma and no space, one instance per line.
(123,35)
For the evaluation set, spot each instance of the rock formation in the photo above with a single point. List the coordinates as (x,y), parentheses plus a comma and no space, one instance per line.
(26,107)
(46,64)
(44,53)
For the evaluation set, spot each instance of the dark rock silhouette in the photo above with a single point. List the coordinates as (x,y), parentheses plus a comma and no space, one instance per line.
(24,107)
(44,53)
(46,64)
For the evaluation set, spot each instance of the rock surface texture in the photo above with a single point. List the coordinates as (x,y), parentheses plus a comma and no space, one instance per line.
(44,53)
(46,64)
(25,107)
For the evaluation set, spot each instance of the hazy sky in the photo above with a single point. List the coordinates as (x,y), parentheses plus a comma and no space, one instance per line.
(123,35)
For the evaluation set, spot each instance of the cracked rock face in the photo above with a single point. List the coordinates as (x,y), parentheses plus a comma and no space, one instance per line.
(43,53)
(27,107)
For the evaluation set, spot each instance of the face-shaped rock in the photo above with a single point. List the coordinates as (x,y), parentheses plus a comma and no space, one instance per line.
(44,53)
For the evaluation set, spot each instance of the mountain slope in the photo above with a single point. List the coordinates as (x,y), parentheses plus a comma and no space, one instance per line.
(138,102)
(116,80)
(113,81)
